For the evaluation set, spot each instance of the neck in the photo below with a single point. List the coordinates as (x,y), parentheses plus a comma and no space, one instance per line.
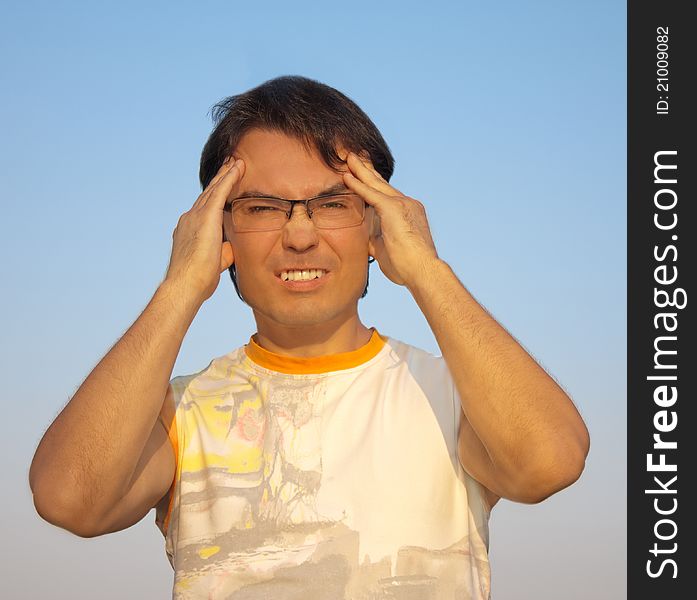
(320,339)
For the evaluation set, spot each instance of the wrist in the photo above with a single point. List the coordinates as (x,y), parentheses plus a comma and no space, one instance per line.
(179,296)
(430,275)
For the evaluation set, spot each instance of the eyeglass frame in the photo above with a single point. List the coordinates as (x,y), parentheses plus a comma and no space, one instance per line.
(289,213)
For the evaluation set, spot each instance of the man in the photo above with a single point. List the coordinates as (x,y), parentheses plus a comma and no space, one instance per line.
(323,459)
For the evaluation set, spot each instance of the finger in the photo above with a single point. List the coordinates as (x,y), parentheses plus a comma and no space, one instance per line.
(228,163)
(223,189)
(232,170)
(225,168)
(372,196)
(364,157)
(365,171)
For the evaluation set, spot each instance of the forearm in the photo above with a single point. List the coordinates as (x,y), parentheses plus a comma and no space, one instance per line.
(87,457)
(527,424)
(519,424)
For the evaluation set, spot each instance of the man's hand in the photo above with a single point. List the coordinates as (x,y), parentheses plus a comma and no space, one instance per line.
(520,435)
(404,247)
(199,254)
(116,408)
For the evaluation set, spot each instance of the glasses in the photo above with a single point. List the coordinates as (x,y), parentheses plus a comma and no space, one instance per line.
(268,214)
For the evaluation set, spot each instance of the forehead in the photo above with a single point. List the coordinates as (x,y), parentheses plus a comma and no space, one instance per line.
(279,165)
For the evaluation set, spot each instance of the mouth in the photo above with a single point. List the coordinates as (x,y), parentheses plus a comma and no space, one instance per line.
(305,274)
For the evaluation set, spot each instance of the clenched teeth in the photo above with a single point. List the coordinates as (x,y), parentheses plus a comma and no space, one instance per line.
(302,275)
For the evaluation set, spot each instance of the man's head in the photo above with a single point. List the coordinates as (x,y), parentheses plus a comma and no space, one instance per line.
(320,118)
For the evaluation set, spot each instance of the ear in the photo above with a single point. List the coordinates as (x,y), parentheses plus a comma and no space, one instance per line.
(227,256)
(375,229)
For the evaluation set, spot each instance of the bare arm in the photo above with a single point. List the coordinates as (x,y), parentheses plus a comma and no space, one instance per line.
(91,456)
(87,457)
(520,434)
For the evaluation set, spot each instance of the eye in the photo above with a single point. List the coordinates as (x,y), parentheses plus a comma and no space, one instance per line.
(259,206)
(334,203)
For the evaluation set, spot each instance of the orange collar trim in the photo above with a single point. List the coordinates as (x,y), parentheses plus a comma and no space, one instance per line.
(314,364)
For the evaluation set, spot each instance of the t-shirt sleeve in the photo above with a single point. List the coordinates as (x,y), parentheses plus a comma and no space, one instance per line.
(458,417)
(168,419)
(168,416)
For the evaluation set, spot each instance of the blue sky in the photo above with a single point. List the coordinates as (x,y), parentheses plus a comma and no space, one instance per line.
(507,120)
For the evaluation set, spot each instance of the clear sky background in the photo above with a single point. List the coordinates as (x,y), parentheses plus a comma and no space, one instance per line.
(507,119)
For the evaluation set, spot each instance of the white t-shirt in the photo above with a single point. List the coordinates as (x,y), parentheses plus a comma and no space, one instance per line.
(332,477)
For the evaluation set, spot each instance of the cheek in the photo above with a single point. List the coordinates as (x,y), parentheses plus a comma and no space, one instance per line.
(355,257)
(249,257)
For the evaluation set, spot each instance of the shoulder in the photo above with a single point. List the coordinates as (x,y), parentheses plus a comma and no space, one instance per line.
(433,377)
(426,378)
(430,371)
(210,380)
(410,354)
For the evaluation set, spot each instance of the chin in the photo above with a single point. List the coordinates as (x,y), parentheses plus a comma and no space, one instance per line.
(304,312)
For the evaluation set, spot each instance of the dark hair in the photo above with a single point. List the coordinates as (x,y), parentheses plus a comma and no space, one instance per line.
(318,115)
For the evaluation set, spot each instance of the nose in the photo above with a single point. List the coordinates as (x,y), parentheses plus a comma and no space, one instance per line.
(299,233)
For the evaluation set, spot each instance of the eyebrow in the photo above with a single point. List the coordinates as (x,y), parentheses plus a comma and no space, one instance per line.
(337,188)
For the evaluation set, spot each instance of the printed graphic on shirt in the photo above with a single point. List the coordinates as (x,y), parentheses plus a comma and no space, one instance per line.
(255,514)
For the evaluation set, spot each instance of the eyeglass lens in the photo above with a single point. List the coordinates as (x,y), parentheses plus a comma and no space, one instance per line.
(328,212)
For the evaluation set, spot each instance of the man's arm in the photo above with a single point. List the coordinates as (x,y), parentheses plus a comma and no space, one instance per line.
(105,458)
(87,458)
(520,435)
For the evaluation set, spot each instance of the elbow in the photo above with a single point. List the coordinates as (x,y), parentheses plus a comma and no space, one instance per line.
(76,525)
(551,463)
(555,480)
(55,510)
(553,475)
